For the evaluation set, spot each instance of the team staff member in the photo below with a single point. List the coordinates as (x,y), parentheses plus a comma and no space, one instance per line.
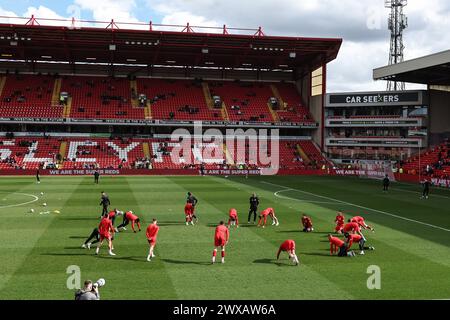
(386,183)
(254,203)
(96,176)
(104,202)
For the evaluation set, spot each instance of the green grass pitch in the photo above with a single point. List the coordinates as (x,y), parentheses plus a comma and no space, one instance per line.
(412,239)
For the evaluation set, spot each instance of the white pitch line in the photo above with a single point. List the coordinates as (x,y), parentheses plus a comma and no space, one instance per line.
(417,192)
(21,204)
(276,194)
(362,207)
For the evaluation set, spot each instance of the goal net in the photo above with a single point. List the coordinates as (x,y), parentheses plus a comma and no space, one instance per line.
(375,169)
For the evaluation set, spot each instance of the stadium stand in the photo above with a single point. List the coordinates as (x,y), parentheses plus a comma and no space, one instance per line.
(28,96)
(434,162)
(100,98)
(118,153)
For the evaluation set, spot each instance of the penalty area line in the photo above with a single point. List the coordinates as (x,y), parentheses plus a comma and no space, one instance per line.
(359,206)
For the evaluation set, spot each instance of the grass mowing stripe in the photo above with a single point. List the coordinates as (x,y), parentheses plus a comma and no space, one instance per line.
(362,207)
(32,228)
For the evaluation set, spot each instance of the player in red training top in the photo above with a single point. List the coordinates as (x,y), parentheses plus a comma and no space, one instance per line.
(113,214)
(189,212)
(352,238)
(152,233)
(289,247)
(307,223)
(340,222)
(362,223)
(268,212)
(335,243)
(352,227)
(106,231)
(233,220)
(221,237)
(127,217)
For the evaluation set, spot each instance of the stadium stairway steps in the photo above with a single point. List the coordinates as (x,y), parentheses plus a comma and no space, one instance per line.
(224,112)
(274,114)
(277,95)
(133,86)
(303,154)
(227,155)
(207,94)
(62,152)
(56,92)
(67,108)
(146,149)
(148,111)
(2,84)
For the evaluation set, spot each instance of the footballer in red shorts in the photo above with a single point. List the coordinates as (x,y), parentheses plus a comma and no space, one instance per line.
(221,237)
(106,230)
(233,220)
(289,247)
(189,212)
(152,233)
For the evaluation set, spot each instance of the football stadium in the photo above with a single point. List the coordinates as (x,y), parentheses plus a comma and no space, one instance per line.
(185,162)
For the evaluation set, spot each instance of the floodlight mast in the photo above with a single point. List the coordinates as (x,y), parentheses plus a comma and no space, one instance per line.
(397,23)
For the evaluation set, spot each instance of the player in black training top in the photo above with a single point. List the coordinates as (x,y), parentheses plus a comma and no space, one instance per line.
(104,201)
(386,183)
(426,189)
(254,203)
(38,179)
(192,200)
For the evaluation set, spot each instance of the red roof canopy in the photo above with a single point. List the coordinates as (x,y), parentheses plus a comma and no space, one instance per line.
(115,44)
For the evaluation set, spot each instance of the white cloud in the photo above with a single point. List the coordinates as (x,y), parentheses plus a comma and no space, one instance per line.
(105,10)
(362,25)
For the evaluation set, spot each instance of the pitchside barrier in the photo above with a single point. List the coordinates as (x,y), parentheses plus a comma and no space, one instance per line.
(445,183)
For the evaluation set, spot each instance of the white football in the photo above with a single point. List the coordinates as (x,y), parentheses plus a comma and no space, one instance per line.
(44,204)
(32,210)
(42,193)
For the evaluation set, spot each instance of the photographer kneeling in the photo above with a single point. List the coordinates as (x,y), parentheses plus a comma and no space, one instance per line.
(89,292)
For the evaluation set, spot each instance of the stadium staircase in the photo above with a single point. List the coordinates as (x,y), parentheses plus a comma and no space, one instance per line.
(274,114)
(303,154)
(2,84)
(56,92)
(133,87)
(146,149)
(63,153)
(148,111)
(67,108)
(227,154)
(277,95)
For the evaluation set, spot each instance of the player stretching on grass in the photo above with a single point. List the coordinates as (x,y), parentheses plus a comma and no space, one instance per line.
(106,231)
(188,212)
(113,214)
(221,237)
(352,238)
(307,223)
(94,235)
(233,220)
(129,216)
(152,233)
(361,222)
(289,247)
(335,244)
(192,200)
(340,222)
(268,212)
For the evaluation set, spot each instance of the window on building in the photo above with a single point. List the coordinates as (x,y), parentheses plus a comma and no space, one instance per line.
(317,82)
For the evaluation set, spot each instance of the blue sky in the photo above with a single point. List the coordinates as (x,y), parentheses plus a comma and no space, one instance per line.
(143,11)
(362,24)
